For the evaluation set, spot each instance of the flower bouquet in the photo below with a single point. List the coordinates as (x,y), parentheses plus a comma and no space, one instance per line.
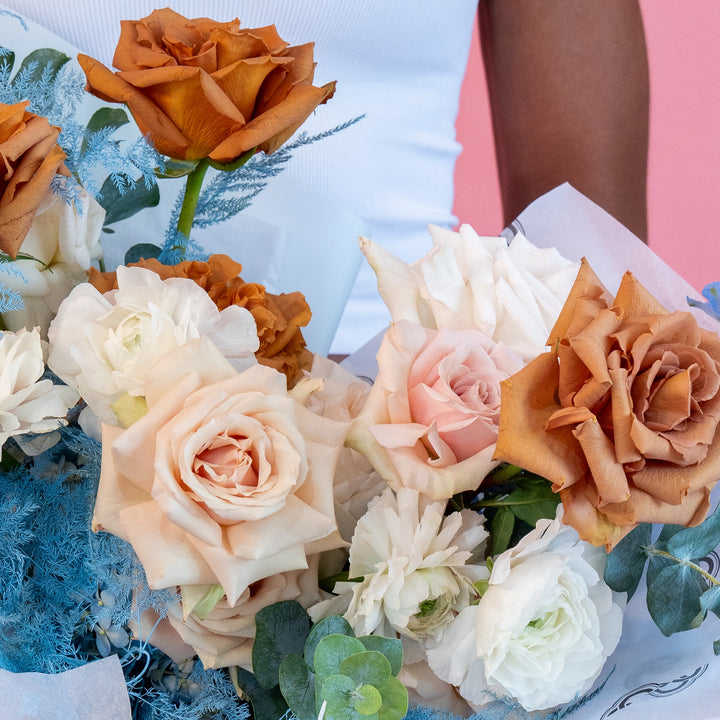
(212,522)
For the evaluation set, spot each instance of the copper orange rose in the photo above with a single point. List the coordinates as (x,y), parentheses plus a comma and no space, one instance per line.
(199,88)
(622,414)
(31,158)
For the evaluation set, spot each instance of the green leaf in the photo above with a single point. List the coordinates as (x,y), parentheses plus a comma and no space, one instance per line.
(626,562)
(710,600)
(501,530)
(280,630)
(141,250)
(44,57)
(696,542)
(8,59)
(716,647)
(367,700)
(395,700)
(337,691)
(532,500)
(176,168)
(673,598)
(103,118)
(366,668)
(391,648)
(331,651)
(331,625)
(266,704)
(667,532)
(297,684)
(120,205)
(209,600)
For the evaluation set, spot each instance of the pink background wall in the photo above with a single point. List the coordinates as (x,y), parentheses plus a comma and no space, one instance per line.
(684,164)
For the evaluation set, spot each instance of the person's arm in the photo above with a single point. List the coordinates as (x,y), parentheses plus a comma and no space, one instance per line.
(568,84)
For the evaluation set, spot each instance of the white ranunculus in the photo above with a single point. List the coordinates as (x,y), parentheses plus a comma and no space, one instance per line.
(543,629)
(64,239)
(513,293)
(104,345)
(27,403)
(413,564)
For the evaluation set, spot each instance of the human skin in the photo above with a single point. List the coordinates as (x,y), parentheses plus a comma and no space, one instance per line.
(569,94)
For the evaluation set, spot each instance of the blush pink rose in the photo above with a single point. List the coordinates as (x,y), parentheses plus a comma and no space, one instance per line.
(431,420)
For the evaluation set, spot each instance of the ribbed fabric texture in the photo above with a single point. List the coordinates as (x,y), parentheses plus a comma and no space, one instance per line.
(400,62)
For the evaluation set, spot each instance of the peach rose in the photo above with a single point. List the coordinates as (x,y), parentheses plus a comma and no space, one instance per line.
(226,480)
(622,415)
(431,419)
(31,159)
(200,88)
(279,318)
(224,637)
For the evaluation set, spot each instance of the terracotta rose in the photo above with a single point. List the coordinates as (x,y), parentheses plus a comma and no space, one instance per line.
(200,88)
(31,158)
(279,318)
(622,414)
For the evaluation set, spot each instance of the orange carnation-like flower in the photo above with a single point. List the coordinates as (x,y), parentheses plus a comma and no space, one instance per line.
(622,414)
(279,318)
(31,158)
(200,88)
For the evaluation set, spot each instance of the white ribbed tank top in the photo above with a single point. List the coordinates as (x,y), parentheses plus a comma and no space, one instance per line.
(400,62)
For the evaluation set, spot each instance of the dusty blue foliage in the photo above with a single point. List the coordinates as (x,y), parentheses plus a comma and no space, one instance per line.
(52,571)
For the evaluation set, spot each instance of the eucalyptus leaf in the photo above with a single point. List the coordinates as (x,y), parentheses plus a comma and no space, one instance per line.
(673,598)
(626,562)
(667,532)
(120,205)
(331,625)
(716,647)
(103,118)
(7,59)
(367,700)
(501,530)
(366,668)
(337,691)
(266,704)
(696,542)
(141,250)
(331,651)
(280,630)
(395,700)
(710,600)
(391,648)
(46,58)
(297,684)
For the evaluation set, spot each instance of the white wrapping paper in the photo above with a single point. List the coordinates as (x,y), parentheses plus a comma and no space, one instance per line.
(95,691)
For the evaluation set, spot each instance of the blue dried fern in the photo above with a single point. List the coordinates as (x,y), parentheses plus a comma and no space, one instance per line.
(52,568)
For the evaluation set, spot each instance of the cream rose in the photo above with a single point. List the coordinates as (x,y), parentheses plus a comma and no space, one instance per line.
(543,629)
(63,240)
(226,480)
(224,637)
(431,420)
(29,404)
(513,293)
(105,344)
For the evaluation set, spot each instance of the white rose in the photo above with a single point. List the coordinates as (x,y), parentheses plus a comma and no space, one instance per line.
(64,239)
(412,561)
(513,293)
(104,345)
(27,403)
(543,629)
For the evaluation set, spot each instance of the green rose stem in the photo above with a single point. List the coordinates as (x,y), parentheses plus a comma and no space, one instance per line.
(193,186)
